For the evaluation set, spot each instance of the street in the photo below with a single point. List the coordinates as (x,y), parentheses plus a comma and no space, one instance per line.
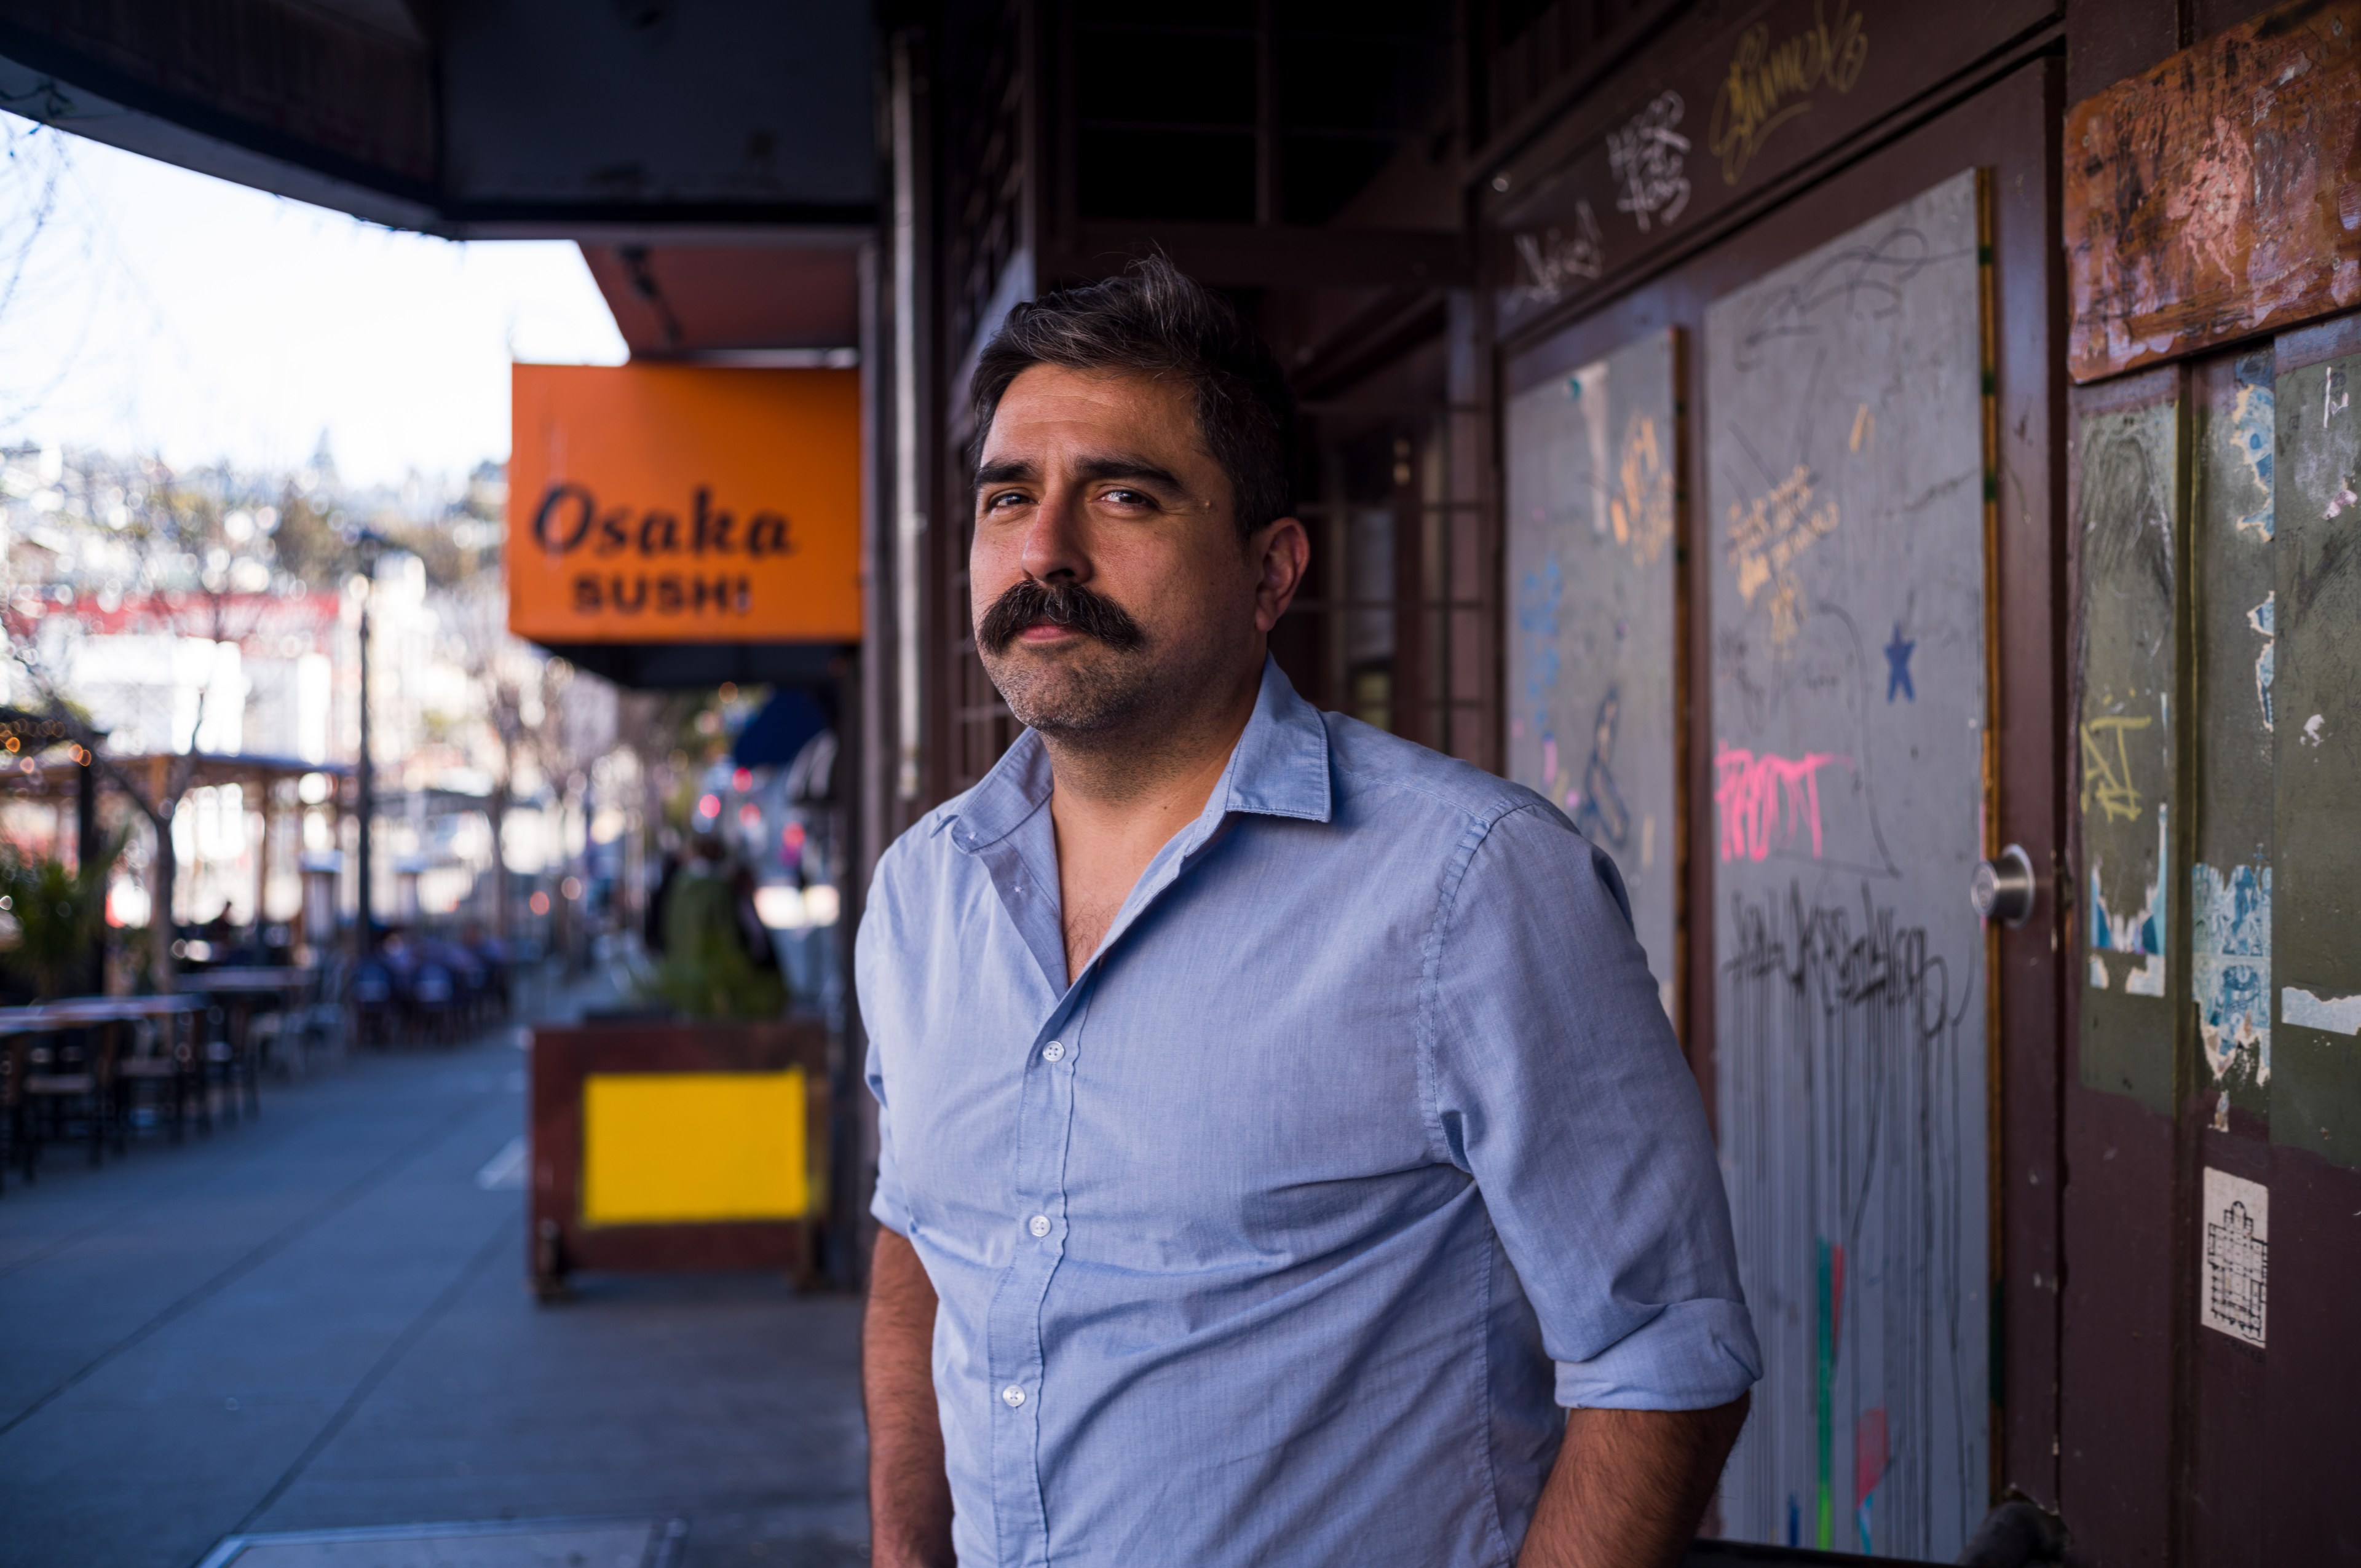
(318,1320)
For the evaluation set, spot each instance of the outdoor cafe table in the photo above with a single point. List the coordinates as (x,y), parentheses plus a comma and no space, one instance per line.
(242,992)
(20,1025)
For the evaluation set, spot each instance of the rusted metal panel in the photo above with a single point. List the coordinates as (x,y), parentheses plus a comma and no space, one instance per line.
(1592,525)
(1846,480)
(2316,1081)
(2219,194)
(1717,109)
(2129,518)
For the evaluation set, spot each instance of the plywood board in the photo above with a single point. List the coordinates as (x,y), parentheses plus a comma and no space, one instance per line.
(1846,483)
(1592,719)
(2129,516)
(2218,196)
(2316,914)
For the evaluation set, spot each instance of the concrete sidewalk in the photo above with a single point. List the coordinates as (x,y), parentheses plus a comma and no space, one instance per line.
(319,1319)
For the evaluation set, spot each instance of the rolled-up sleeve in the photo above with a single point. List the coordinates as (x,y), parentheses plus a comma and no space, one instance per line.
(1557,1084)
(871,946)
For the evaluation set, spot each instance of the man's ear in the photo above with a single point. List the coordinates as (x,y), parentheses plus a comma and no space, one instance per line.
(1281,551)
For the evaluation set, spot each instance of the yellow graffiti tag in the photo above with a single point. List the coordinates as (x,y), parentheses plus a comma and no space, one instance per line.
(1642,512)
(1765,537)
(1768,84)
(2110,779)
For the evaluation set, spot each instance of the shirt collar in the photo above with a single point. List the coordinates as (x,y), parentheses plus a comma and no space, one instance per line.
(1279,768)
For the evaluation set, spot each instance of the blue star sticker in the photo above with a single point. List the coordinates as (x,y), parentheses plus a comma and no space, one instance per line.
(1897,666)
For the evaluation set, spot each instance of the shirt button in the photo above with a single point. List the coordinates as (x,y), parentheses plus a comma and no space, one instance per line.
(1038,1224)
(1053,1051)
(1012,1396)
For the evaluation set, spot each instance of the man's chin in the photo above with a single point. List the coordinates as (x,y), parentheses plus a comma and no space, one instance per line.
(1061,690)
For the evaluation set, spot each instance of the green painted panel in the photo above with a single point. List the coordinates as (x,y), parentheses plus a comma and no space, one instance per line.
(2235,608)
(2315,1085)
(2128,517)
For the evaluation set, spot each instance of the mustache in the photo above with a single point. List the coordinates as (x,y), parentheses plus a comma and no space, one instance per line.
(1032,603)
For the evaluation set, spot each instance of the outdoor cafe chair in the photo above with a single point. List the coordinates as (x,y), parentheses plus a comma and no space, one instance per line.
(371,996)
(57,1075)
(163,1060)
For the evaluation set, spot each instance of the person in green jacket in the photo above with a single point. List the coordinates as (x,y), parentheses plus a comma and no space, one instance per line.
(717,959)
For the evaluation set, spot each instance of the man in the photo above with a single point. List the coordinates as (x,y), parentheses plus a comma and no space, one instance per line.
(1278,1122)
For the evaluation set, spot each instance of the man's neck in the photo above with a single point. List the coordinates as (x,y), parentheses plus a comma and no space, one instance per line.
(1118,798)
(1161,767)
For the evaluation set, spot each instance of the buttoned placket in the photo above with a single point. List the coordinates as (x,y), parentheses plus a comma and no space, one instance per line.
(1016,1357)
(1013,1348)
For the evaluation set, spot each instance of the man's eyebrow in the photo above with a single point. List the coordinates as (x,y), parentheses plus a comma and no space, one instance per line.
(1114,465)
(1009,471)
(1126,465)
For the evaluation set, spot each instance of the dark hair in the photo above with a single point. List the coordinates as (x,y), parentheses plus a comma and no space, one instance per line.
(1156,320)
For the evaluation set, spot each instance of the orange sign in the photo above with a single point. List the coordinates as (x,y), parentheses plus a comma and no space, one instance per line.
(673,503)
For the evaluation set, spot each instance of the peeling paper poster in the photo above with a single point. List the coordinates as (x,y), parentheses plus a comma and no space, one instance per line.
(2335,1014)
(2136,931)
(2230,974)
(2234,1290)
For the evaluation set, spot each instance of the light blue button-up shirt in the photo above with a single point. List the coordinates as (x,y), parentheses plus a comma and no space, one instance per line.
(1279,1234)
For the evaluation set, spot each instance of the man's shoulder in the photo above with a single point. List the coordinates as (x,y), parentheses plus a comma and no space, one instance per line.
(926,843)
(1381,773)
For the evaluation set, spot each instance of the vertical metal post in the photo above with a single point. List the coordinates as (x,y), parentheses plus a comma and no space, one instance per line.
(365,935)
(86,851)
(909,516)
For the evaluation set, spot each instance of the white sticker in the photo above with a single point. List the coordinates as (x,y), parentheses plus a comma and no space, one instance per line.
(2235,1288)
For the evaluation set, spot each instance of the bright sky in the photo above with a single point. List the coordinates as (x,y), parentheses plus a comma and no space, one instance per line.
(148,309)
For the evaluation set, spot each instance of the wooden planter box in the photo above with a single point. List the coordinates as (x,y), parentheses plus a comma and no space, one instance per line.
(662,1147)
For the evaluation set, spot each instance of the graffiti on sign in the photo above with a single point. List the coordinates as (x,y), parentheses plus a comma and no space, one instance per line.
(1769,83)
(1649,157)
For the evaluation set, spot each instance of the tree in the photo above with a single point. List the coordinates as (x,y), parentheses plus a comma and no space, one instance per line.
(195,554)
(523,691)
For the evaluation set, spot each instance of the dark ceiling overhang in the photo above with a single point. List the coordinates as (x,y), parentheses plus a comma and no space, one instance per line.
(795,298)
(488,119)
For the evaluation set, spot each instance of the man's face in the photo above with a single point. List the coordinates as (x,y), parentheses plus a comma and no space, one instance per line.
(1109,579)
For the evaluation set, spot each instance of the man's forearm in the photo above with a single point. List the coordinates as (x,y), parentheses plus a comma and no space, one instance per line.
(909,1494)
(1630,1486)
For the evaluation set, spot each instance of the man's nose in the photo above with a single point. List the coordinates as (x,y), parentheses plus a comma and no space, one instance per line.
(1053,544)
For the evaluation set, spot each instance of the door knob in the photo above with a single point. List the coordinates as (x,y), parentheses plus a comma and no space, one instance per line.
(2002,889)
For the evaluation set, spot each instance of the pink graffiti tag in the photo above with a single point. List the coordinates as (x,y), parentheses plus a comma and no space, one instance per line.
(1749,791)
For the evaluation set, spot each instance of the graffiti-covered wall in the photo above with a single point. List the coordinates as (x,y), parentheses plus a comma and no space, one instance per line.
(1845,475)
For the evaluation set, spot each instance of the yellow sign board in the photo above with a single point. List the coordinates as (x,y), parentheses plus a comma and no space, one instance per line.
(664,1147)
(675,503)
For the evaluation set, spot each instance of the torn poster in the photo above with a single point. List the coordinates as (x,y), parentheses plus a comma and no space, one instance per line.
(2138,931)
(2230,969)
(2336,1014)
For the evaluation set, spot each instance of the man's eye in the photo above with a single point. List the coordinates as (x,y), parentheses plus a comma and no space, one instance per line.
(1005,500)
(1128,497)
